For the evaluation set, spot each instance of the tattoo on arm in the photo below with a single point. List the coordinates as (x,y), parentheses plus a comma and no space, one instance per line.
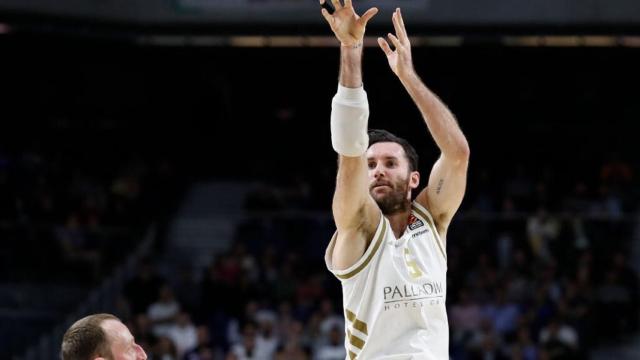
(439,188)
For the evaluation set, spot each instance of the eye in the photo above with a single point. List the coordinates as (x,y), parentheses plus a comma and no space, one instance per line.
(371,165)
(391,163)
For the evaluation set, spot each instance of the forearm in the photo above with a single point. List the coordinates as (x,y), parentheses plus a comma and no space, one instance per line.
(439,119)
(351,66)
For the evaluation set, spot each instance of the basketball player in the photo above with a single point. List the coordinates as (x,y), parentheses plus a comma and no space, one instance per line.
(100,336)
(389,252)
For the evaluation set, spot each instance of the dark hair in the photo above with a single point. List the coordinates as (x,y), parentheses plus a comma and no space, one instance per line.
(378,136)
(86,339)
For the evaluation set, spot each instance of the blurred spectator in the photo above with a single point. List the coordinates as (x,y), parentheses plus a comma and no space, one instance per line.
(542,230)
(334,349)
(291,351)
(486,343)
(504,250)
(465,317)
(267,337)
(559,340)
(329,319)
(247,318)
(250,347)
(163,312)
(204,348)
(183,334)
(502,313)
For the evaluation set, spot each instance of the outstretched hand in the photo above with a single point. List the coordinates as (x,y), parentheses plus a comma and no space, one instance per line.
(399,59)
(348,26)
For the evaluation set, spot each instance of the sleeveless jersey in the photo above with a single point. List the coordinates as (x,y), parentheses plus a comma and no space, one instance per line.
(394,295)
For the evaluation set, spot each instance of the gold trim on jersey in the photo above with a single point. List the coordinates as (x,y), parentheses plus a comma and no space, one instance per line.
(355,341)
(428,219)
(377,244)
(357,324)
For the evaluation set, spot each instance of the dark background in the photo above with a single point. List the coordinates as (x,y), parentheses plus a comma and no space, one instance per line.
(86,104)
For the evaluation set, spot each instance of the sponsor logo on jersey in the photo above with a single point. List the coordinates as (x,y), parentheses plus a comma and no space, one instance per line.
(423,231)
(413,295)
(412,291)
(414,222)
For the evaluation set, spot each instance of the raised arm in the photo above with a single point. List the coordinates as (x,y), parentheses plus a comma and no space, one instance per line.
(447,181)
(355,212)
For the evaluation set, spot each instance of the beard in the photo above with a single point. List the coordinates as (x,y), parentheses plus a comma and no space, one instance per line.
(395,200)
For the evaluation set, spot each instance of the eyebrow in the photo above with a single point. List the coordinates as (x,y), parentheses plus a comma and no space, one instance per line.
(390,157)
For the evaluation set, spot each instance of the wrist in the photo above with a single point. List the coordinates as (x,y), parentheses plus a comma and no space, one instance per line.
(408,76)
(352,46)
(351,55)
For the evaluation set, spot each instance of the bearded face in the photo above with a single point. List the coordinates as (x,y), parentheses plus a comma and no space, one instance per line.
(390,181)
(391,196)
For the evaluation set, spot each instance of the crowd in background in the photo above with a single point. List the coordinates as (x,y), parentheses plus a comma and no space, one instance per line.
(539,254)
(75,213)
(536,275)
(537,268)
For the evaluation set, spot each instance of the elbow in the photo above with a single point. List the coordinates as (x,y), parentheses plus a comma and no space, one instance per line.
(460,152)
(463,150)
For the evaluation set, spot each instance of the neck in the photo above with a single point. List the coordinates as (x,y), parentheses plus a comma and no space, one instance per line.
(398,221)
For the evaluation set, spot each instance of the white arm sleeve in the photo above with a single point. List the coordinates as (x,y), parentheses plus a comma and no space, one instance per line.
(349,118)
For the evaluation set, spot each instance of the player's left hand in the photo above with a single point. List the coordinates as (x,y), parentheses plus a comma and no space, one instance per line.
(399,59)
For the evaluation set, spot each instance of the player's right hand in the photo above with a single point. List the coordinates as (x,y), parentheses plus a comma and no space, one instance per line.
(348,26)
(399,59)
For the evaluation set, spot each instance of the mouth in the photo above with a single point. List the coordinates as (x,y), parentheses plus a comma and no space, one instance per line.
(380,186)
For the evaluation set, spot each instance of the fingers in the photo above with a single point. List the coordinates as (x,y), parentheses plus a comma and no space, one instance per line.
(398,25)
(327,17)
(336,4)
(347,3)
(401,21)
(368,15)
(385,46)
(394,40)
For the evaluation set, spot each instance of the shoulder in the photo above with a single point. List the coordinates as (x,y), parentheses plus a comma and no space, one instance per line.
(420,216)
(422,208)
(362,262)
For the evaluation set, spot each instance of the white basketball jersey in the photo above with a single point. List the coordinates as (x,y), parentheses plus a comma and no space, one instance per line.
(394,296)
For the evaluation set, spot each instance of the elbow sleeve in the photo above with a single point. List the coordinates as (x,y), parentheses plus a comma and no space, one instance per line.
(349,121)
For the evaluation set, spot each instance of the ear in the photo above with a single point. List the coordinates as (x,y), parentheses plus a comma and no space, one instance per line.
(414,180)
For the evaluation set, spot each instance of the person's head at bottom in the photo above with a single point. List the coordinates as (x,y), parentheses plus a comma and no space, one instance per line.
(100,336)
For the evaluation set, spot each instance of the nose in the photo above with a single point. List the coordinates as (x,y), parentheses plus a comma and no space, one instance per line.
(378,171)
